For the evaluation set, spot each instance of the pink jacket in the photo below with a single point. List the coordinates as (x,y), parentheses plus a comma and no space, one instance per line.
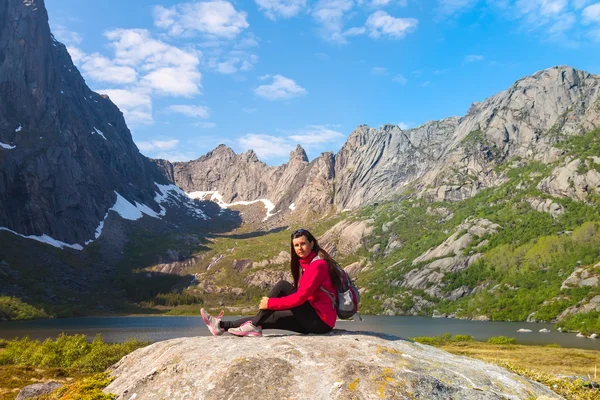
(315,274)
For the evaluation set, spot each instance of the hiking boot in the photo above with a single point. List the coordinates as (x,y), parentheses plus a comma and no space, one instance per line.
(212,322)
(246,329)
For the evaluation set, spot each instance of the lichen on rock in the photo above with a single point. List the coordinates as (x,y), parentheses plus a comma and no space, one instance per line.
(340,365)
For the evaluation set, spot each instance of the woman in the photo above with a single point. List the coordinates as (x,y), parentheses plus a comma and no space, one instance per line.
(307,306)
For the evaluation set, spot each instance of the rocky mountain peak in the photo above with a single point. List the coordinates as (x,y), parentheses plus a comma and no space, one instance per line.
(67,149)
(298,154)
(523,120)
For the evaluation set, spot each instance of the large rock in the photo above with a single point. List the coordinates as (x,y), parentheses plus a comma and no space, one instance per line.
(37,389)
(346,237)
(582,277)
(335,366)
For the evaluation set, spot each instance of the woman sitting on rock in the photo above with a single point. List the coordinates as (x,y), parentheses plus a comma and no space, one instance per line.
(307,306)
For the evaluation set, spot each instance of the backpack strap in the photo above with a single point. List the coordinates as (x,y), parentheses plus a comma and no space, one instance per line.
(327,292)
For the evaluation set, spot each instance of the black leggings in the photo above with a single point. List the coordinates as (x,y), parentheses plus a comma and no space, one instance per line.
(301,319)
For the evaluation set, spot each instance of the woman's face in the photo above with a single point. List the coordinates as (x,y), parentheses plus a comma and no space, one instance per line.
(302,246)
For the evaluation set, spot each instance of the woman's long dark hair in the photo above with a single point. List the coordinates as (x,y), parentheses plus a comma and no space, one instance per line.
(295,263)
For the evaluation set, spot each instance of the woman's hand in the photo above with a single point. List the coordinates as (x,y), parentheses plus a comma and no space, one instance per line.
(263,303)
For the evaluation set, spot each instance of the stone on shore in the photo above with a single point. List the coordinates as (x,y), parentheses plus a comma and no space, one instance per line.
(341,365)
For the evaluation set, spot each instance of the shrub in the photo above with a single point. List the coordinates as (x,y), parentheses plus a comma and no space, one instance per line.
(67,352)
(502,340)
(462,338)
(586,323)
(12,308)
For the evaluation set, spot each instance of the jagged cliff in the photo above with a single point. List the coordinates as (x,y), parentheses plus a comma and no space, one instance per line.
(298,183)
(451,159)
(65,151)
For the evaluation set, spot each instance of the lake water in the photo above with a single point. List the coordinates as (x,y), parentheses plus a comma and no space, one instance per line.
(156,328)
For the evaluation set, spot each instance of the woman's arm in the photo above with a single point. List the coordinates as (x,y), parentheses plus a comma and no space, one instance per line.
(310,281)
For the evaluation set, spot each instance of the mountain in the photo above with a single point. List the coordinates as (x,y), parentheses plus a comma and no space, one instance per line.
(66,154)
(450,159)
(297,183)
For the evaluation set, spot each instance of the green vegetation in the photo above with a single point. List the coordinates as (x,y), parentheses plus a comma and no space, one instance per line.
(586,323)
(442,339)
(572,389)
(558,368)
(66,352)
(88,388)
(23,361)
(12,308)
(501,340)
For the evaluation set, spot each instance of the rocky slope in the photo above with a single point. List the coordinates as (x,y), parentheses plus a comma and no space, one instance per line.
(337,366)
(451,159)
(65,151)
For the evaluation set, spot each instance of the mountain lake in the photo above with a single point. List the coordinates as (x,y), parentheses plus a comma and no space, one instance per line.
(157,328)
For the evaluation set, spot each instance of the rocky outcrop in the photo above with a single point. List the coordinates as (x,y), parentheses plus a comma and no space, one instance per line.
(569,180)
(582,277)
(545,205)
(460,239)
(583,306)
(69,151)
(266,279)
(335,366)
(346,237)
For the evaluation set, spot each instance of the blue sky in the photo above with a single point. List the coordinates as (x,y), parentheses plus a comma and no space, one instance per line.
(269,74)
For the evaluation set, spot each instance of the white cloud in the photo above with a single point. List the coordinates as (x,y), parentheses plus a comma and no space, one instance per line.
(173,82)
(266,146)
(166,69)
(65,36)
(405,125)
(102,69)
(249,40)
(316,134)
(381,3)
(356,31)
(310,137)
(281,8)
(232,62)
(473,58)
(591,14)
(450,7)
(280,89)
(217,18)
(76,54)
(379,71)
(204,125)
(329,15)
(135,105)
(578,4)
(154,145)
(381,24)
(399,78)
(190,111)
(249,110)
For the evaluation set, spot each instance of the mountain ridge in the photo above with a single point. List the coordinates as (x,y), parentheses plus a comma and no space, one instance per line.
(434,159)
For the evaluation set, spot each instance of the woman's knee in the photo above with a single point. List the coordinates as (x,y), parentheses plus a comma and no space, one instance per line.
(281,287)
